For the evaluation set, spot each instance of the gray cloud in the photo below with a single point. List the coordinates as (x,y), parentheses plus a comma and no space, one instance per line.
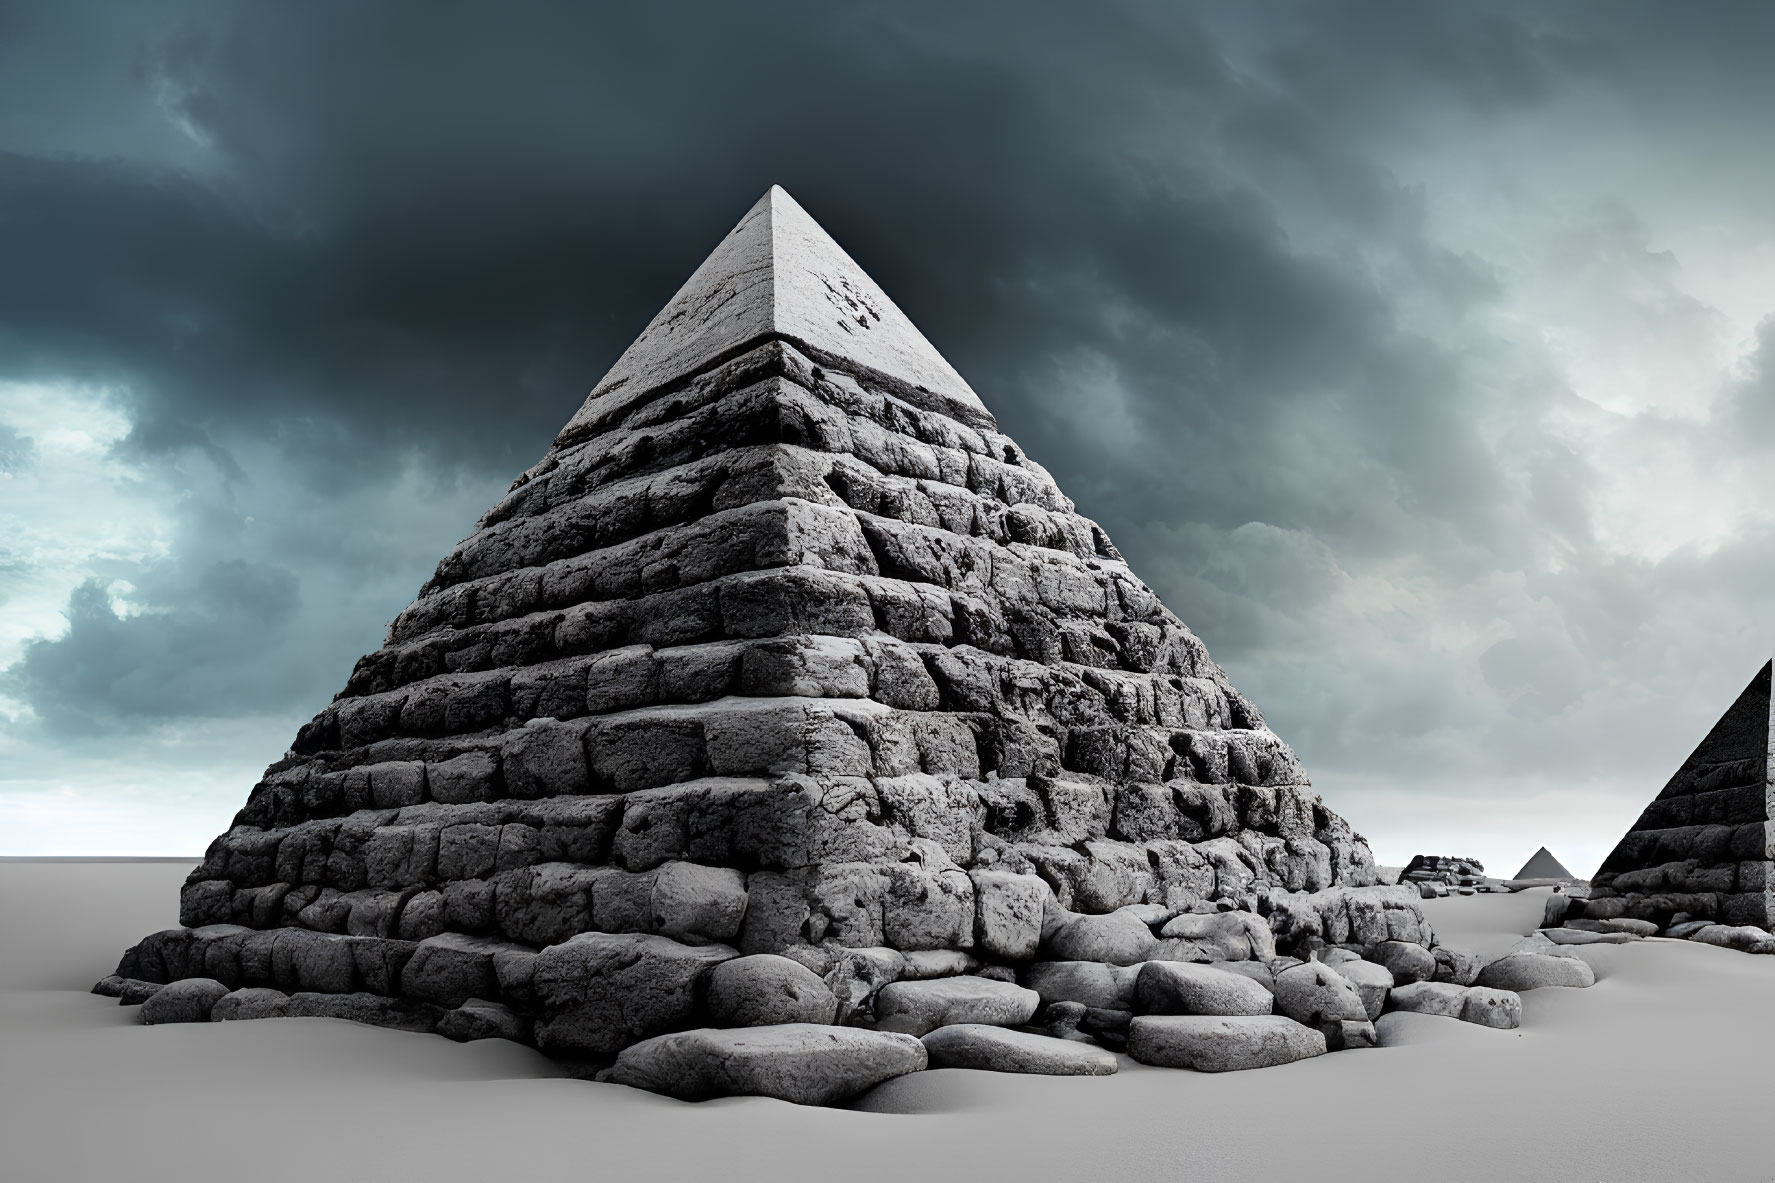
(1306,306)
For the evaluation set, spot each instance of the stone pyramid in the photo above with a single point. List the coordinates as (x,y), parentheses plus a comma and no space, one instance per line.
(781,649)
(1702,846)
(1542,865)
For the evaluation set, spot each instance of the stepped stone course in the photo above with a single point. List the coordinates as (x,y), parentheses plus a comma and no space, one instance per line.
(782,650)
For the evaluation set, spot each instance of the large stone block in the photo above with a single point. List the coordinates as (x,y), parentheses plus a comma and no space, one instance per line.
(599,992)
(799,1062)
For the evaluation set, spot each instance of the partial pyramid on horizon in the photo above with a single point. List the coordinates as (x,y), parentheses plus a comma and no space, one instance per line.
(1542,865)
(782,648)
(1703,846)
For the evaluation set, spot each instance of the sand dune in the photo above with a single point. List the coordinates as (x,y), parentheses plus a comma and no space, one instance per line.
(1656,1073)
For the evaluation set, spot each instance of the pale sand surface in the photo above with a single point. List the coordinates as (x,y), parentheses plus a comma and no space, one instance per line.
(1659,1072)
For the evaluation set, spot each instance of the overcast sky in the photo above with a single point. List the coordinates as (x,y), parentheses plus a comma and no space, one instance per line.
(1416,353)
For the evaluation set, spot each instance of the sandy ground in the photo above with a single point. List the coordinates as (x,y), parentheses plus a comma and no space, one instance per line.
(1659,1072)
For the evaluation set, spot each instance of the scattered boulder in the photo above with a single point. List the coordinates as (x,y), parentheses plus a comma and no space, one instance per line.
(996,1049)
(1491,1008)
(1221,1043)
(1373,983)
(915,1008)
(1430,998)
(1577,936)
(254,1002)
(1686,929)
(1456,965)
(478,1018)
(188,1000)
(1407,962)
(1626,924)
(599,992)
(1533,971)
(1347,1034)
(765,990)
(1313,994)
(1744,936)
(1116,938)
(804,1063)
(1178,988)
(127,991)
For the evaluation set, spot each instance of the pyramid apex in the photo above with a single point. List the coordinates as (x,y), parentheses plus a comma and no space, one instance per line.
(777,273)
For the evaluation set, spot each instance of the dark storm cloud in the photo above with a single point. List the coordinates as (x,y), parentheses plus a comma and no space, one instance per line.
(320,246)
(112,671)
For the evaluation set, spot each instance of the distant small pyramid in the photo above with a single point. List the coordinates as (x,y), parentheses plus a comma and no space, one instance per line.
(1702,847)
(1542,865)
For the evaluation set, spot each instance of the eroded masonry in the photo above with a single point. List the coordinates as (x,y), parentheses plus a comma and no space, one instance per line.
(785,675)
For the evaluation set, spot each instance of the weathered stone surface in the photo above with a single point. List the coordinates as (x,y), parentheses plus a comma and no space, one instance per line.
(921,964)
(1008,913)
(1430,998)
(995,1049)
(477,1018)
(1406,962)
(1231,936)
(1175,988)
(1313,994)
(600,992)
(916,1008)
(1347,1034)
(1456,965)
(253,1002)
(127,991)
(765,990)
(1090,983)
(799,1062)
(1531,971)
(188,1000)
(1373,983)
(451,968)
(1573,936)
(1626,924)
(377,1010)
(1491,1008)
(1743,936)
(1221,1044)
(1118,938)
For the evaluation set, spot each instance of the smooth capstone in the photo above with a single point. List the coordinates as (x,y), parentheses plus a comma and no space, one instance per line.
(1179,988)
(805,1063)
(1533,971)
(914,1008)
(995,1049)
(1221,1043)
(188,1000)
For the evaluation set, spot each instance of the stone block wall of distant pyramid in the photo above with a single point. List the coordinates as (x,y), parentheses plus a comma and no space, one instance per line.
(1703,846)
(779,622)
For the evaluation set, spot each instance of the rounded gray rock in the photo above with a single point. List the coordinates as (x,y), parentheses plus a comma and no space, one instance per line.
(766,990)
(1314,993)
(915,1008)
(188,1000)
(1373,983)
(1179,988)
(996,1049)
(1089,982)
(1217,1043)
(1533,971)
(256,1002)
(1117,938)
(805,1063)
(1429,998)
(1407,962)
(1491,1008)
